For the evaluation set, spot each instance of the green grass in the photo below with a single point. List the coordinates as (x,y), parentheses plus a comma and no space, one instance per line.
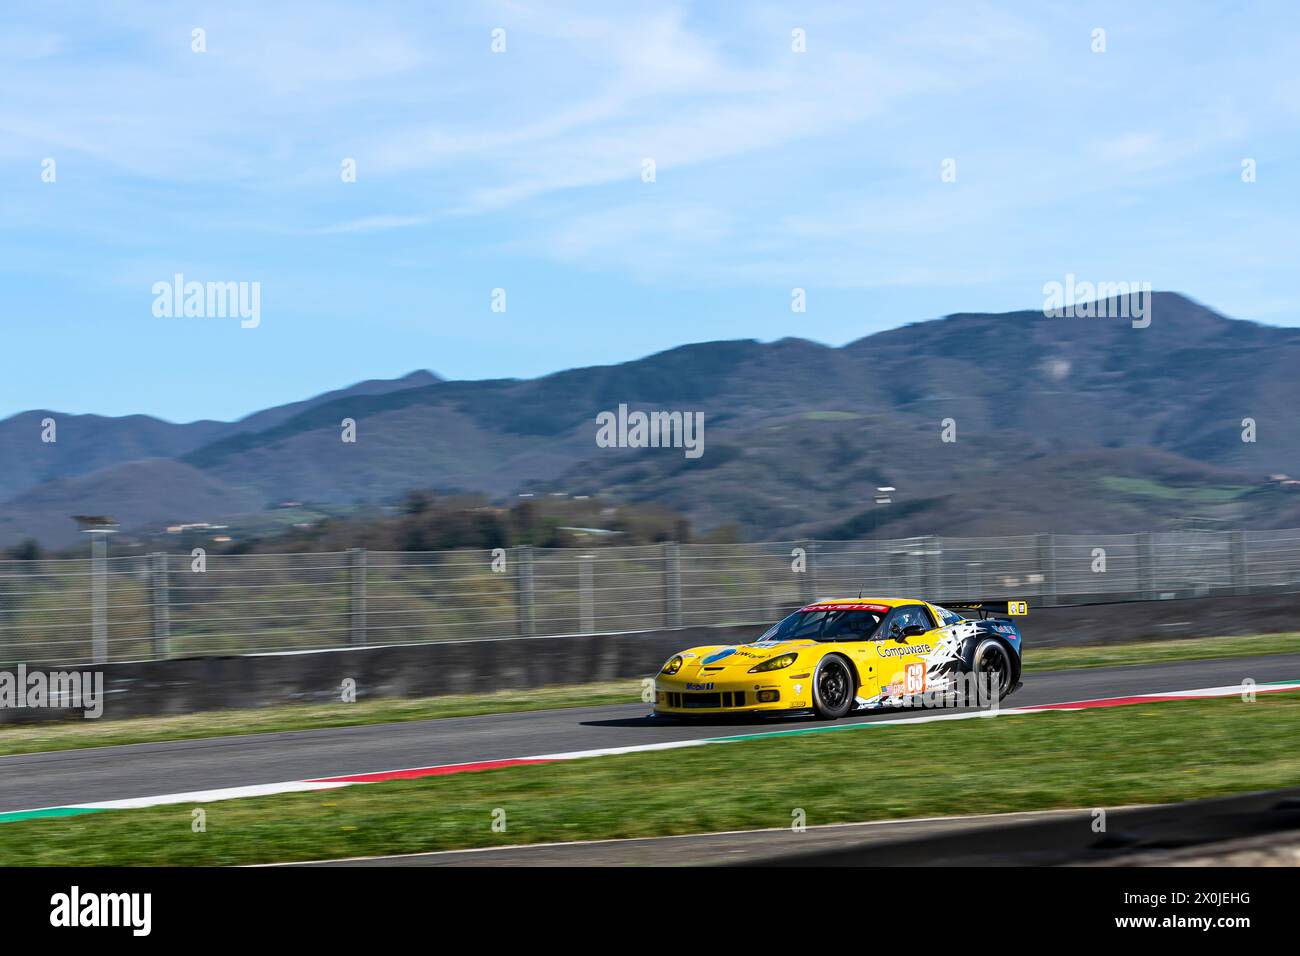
(70,735)
(1147,488)
(107,733)
(1105,758)
(1158,652)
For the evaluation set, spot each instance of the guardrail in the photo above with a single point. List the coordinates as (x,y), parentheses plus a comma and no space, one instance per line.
(166,605)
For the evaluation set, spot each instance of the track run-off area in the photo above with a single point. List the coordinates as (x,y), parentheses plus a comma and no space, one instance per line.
(69,782)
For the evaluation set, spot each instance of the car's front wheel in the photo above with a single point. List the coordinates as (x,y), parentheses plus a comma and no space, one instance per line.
(833,690)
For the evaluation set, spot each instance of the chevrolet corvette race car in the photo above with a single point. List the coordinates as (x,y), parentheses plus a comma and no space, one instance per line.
(833,657)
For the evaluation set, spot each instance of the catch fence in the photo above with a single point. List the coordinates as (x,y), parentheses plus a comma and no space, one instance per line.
(167,605)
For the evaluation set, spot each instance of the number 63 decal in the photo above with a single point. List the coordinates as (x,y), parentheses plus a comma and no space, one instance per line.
(914,682)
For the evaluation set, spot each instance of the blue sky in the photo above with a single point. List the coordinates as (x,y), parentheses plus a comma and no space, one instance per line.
(522,170)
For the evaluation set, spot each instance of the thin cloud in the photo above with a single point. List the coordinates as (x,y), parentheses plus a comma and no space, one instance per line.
(372,224)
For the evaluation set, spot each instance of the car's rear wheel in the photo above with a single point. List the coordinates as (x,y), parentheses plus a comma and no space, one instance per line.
(992,663)
(832,686)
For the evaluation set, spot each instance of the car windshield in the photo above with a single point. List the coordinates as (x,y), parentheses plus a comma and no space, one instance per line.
(824,626)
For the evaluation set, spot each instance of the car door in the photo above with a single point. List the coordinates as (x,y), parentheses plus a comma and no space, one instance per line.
(852,633)
(905,638)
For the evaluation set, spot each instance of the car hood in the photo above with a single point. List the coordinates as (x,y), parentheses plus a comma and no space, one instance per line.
(738,656)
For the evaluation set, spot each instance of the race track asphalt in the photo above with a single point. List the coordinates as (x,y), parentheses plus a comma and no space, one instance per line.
(111,773)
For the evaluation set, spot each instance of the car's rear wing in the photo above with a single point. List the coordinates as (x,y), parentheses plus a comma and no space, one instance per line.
(985,608)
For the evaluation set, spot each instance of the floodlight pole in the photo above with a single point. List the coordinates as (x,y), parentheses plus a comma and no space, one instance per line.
(884,496)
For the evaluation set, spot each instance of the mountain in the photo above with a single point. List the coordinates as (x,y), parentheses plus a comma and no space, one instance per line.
(35,486)
(1064,424)
(139,494)
(1183,384)
(269,418)
(87,443)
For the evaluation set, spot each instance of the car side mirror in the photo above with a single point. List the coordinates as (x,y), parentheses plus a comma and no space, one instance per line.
(913,630)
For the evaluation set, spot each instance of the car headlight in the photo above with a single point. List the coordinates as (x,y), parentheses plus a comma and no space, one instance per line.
(672,667)
(775,664)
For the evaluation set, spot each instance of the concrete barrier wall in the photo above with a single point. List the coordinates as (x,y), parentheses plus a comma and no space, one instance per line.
(191,685)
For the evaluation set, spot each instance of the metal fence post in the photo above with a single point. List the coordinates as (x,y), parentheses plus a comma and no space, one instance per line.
(808,583)
(586,594)
(1145,567)
(1047,568)
(931,558)
(99,598)
(357,601)
(159,598)
(1238,573)
(526,620)
(672,558)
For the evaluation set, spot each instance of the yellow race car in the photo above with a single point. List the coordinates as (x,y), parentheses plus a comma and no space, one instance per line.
(834,657)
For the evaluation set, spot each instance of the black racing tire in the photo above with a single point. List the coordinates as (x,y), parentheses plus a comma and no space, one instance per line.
(992,660)
(833,690)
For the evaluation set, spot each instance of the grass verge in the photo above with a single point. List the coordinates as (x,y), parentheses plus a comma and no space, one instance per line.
(1136,754)
(34,738)
(71,735)
(1158,652)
